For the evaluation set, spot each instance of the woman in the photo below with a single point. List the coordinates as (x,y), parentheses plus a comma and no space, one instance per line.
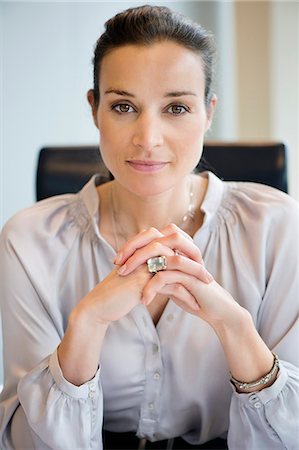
(181,287)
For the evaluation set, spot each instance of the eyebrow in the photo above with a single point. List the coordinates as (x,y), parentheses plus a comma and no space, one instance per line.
(129,94)
(119,92)
(179,93)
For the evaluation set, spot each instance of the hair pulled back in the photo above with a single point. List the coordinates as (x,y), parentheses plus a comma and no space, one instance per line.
(146,25)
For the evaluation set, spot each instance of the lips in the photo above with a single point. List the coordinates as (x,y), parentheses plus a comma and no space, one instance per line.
(147,165)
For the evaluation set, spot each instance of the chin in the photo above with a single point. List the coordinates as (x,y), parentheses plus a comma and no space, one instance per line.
(148,186)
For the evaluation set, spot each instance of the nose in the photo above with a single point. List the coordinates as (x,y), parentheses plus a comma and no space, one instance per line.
(148,133)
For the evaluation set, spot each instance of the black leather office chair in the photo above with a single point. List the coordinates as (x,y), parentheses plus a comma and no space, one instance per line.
(66,169)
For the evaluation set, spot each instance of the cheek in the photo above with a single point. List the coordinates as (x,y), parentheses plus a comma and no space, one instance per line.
(111,132)
(190,136)
(189,144)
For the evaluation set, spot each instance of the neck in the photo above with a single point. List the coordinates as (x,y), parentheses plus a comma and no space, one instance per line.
(136,213)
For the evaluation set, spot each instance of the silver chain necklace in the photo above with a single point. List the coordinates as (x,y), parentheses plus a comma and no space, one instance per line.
(188,217)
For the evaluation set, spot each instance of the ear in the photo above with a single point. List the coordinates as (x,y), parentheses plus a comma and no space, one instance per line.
(91,101)
(210,111)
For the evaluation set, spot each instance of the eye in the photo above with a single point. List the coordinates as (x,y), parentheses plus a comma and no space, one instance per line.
(177,109)
(123,108)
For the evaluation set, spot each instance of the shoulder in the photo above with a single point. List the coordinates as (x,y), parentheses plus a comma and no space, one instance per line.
(260,203)
(45,220)
(40,214)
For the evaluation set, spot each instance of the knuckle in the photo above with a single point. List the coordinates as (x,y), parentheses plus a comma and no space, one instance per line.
(157,246)
(178,260)
(202,270)
(173,227)
(176,235)
(197,253)
(159,276)
(180,289)
(153,230)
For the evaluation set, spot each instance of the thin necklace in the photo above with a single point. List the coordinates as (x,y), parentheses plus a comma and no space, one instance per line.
(184,224)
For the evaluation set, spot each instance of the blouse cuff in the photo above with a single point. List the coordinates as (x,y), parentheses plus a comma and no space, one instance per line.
(260,398)
(90,389)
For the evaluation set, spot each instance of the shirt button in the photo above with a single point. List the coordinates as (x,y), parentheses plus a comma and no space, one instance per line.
(156,376)
(91,394)
(155,348)
(257,405)
(170,317)
(91,386)
(151,405)
(253,398)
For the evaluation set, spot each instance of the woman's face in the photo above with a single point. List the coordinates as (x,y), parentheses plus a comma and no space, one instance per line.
(152,115)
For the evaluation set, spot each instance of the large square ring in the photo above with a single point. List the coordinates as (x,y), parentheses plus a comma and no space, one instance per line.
(156,264)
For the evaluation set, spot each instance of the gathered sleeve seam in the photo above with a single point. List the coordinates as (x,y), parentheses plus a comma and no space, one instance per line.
(90,389)
(265,396)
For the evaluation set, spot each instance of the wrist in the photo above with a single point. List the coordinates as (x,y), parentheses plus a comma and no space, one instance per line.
(86,314)
(79,351)
(235,325)
(248,357)
(256,385)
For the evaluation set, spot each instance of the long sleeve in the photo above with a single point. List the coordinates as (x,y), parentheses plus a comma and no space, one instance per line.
(61,415)
(268,419)
(39,408)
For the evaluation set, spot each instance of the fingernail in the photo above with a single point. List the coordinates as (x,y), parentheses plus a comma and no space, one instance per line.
(122,269)
(118,258)
(208,276)
(145,301)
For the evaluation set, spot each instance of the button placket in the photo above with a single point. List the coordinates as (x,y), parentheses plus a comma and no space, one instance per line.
(253,398)
(149,408)
(91,389)
(155,348)
(255,401)
(152,393)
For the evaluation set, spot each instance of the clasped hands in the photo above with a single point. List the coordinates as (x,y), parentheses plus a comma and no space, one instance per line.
(186,279)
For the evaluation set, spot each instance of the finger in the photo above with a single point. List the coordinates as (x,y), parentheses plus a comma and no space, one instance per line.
(143,238)
(190,267)
(163,246)
(136,242)
(185,306)
(182,245)
(172,228)
(181,296)
(162,279)
(140,257)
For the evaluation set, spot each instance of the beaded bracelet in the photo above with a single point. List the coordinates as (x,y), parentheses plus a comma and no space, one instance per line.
(264,380)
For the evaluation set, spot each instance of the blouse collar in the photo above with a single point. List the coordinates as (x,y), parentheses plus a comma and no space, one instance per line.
(209,206)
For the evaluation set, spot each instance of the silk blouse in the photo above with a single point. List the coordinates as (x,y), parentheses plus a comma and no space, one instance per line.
(159,381)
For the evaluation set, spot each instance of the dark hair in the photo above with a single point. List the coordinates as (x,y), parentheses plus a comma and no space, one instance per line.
(145,25)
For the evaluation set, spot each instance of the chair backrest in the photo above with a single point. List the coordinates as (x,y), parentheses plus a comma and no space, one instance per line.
(66,169)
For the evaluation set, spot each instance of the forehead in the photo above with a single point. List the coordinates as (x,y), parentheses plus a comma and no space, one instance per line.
(161,65)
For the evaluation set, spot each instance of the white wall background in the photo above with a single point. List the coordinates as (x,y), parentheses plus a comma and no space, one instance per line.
(284,67)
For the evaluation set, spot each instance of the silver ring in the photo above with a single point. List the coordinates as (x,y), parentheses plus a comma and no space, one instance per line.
(156,264)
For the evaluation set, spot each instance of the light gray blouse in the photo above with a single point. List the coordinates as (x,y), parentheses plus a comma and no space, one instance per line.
(163,381)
